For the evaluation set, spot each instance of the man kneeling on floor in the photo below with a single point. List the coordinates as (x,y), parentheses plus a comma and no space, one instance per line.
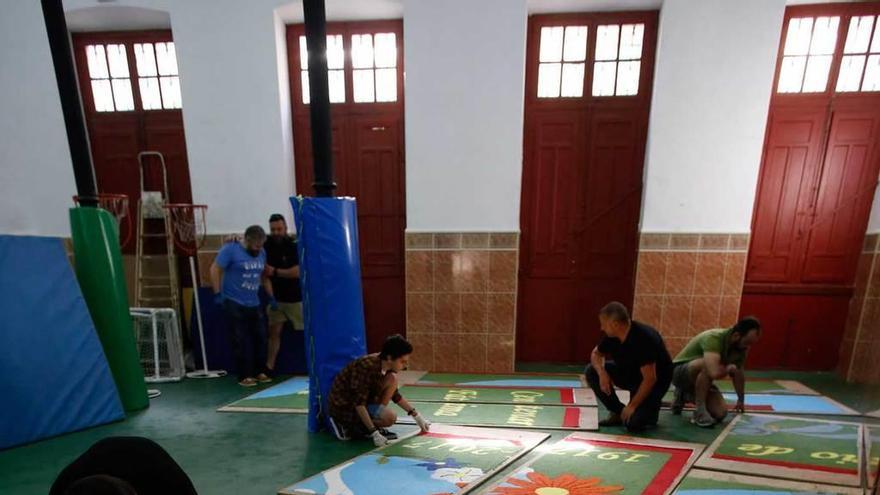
(713,355)
(361,392)
(631,356)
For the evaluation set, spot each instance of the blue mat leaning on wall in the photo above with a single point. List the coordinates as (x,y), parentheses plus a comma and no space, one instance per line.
(54,377)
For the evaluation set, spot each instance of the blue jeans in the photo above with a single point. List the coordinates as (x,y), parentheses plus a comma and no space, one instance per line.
(248,338)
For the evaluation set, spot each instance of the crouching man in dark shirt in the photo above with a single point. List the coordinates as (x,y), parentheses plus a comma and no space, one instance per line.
(631,356)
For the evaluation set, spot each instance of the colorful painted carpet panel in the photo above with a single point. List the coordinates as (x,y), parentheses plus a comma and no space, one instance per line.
(500,395)
(872,454)
(701,482)
(783,403)
(515,380)
(448,460)
(590,464)
(289,396)
(758,386)
(507,415)
(812,450)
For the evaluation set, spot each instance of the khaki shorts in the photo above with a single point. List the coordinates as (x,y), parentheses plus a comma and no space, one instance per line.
(293,311)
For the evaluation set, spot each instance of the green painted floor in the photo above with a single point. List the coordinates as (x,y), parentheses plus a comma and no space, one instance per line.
(250,453)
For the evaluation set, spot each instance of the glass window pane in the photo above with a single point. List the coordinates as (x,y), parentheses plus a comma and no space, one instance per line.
(797,41)
(859,34)
(872,74)
(791,74)
(575,44)
(146,60)
(117,60)
(303,54)
(631,36)
(573,80)
(816,75)
(362,51)
(606,42)
(304,77)
(167,58)
(628,78)
(386,50)
(170,92)
(603,78)
(97,62)
(824,36)
(875,42)
(363,86)
(335,53)
(850,73)
(102,95)
(548,80)
(122,95)
(386,85)
(336,80)
(551,44)
(150,97)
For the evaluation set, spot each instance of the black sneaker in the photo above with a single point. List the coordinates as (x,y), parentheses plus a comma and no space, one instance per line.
(339,431)
(390,435)
(678,402)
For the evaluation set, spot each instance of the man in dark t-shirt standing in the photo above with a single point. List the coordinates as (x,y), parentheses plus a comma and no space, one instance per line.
(282,268)
(631,356)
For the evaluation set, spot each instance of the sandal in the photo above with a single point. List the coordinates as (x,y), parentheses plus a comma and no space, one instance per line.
(248,382)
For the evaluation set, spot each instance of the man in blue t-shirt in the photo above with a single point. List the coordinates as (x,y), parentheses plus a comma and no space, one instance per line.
(236,276)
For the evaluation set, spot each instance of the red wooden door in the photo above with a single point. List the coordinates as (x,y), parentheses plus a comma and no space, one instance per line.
(818,176)
(368,156)
(121,128)
(582,178)
(791,158)
(839,214)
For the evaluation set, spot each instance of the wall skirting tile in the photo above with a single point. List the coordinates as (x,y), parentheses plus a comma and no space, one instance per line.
(461,292)
(861,339)
(689,282)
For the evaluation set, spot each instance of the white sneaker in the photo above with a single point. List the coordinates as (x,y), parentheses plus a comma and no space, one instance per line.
(339,431)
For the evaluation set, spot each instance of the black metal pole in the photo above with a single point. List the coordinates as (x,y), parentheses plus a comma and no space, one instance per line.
(71,106)
(319,96)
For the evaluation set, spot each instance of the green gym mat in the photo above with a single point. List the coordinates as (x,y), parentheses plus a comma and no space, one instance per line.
(289,396)
(512,380)
(702,482)
(802,449)
(592,464)
(507,415)
(498,395)
(448,460)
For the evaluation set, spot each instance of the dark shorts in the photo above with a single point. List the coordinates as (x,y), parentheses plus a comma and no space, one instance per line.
(682,380)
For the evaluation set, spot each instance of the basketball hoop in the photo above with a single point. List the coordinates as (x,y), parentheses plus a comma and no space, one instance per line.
(190,229)
(117,205)
(190,232)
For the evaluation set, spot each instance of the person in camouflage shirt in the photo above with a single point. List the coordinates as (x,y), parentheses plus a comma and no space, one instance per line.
(363,389)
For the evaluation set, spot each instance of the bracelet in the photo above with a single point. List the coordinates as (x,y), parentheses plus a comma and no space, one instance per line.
(412,412)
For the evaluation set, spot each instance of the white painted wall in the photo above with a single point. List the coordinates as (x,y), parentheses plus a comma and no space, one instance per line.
(712,85)
(36,177)
(465,64)
(235,107)
(874,222)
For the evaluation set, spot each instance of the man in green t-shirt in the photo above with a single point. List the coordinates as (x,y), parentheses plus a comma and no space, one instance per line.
(713,355)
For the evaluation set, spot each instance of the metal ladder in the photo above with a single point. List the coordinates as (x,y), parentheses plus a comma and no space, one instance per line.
(154,286)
